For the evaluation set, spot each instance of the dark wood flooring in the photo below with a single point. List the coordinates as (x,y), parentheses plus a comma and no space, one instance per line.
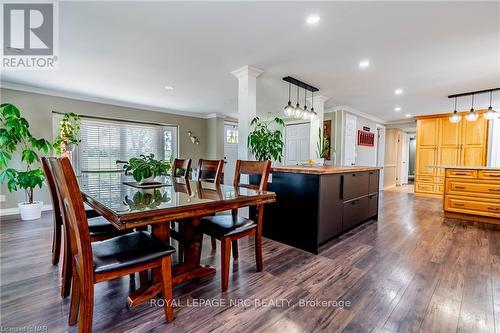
(412,271)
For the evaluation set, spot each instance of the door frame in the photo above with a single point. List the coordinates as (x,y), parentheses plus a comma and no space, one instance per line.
(290,123)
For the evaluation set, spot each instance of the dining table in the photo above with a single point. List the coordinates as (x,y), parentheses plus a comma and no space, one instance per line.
(129,205)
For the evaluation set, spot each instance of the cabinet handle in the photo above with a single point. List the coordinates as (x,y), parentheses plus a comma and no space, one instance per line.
(493,208)
(460,187)
(459,174)
(354,175)
(494,189)
(492,175)
(459,205)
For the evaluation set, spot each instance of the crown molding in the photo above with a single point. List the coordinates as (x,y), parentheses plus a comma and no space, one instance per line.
(94,99)
(357,113)
(248,70)
(215,115)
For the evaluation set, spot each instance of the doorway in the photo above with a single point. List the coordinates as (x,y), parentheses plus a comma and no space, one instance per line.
(297,144)
(230,151)
(411,159)
(350,140)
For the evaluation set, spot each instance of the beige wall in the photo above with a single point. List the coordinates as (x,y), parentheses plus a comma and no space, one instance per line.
(215,138)
(37,109)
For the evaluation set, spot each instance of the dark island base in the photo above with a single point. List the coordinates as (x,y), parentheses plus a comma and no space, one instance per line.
(312,209)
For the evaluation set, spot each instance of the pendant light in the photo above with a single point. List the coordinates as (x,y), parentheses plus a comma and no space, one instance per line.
(298,110)
(289,109)
(491,114)
(305,114)
(313,113)
(472,114)
(455,117)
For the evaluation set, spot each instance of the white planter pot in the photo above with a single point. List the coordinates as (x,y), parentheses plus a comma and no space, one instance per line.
(30,211)
(148,180)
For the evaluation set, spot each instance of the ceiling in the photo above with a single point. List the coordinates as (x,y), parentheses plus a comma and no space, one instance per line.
(129,51)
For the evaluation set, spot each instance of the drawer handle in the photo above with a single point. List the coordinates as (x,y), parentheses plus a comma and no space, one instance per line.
(460,187)
(354,175)
(493,208)
(459,174)
(492,175)
(494,189)
(459,205)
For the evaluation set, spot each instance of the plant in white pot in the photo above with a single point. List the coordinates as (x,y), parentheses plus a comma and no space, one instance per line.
(16,137)
(67,139)
(145,169)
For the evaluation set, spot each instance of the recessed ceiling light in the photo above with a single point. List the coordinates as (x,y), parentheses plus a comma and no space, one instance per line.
(312,19)
(408,115)
(169,88)
(364,64)
(397,109)
(398,91)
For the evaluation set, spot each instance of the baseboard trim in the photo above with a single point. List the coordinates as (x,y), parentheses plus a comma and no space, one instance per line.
(390,186)
(15,211)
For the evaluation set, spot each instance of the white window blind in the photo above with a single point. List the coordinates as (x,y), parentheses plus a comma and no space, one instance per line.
(105,141)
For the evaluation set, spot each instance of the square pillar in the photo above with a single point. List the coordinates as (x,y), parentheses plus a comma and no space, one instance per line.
(316,124)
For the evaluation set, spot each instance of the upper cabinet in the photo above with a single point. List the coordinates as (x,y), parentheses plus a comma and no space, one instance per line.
(440,142)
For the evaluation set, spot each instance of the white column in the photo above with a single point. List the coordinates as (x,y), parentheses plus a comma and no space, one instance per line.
(247,105)
(316,123)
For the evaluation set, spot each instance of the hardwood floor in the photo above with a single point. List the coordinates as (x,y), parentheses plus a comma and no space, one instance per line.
(411,271)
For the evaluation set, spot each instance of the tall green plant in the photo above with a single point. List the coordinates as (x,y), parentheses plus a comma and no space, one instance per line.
(69,127)
(15,136)
(264,143)
(322,146)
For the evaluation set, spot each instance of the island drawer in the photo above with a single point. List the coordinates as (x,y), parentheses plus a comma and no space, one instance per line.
(467,206)
(355,212)
(480,189)
(372,205)
(459,173)
(373,187)
(355,185)
(489,175)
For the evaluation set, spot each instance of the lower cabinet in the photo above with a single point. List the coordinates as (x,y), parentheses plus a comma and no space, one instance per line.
(355,212)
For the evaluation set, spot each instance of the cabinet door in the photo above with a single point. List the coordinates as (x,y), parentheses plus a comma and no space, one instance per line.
(427,132)
(474,139)
(449,144)
(426,156)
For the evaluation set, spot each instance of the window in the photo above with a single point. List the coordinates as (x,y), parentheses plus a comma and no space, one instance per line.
(105,141)
(231,136)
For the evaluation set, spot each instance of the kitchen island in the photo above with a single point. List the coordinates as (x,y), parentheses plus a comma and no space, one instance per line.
(315,204)
(472,193)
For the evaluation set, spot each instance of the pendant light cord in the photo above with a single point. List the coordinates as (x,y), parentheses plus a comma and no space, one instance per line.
(455,104)
(472,107)
(289,85)
(491,94)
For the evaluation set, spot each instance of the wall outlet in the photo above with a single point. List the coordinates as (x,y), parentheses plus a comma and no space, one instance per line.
(2,197)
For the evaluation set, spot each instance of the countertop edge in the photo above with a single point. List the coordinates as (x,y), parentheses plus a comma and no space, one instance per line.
(325,170)
(491,168)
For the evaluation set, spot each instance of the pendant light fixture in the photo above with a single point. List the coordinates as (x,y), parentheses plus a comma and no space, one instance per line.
(472,114)
(298,110)
(289,109)
(455,117)
(491,114)
(306,113)
(313,113)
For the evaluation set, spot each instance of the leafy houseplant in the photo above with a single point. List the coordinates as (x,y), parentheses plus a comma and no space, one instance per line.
(14,135)
(146,200)
(322,146)
(69,127)
(264,143)
(145,169)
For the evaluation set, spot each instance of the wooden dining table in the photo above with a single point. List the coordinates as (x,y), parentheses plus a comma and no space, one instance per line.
(125,205)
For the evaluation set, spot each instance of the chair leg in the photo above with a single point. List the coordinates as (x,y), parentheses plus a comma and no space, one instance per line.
(75,300)
(132,277)
(225,258)
(56,243)
(86,308)
(166,281)
(214,243)
(235,249)
(66,268)
(258,251)
(143,278)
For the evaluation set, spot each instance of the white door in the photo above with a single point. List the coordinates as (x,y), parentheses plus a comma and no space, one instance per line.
(350,140)
(297,144)
(230,152)
(405,139)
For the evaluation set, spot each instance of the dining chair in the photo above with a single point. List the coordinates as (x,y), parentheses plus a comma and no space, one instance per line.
(181,165)
(99,229)
(229,228)
(101,261)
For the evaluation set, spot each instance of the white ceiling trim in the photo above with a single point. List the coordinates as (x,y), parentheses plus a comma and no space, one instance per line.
(356,112)
(87,98)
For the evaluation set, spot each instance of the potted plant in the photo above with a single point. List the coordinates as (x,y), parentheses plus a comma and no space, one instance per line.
(146,200)
(14,135)
(322,147)
(145,169)
(67,139)
(265,143)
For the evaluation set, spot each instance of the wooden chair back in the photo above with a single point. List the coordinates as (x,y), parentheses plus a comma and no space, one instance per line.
(210,170)
(54,196)
(252,168)
(181,164)
(74,216)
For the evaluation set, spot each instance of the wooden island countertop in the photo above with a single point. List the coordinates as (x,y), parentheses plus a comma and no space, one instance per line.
(321,170)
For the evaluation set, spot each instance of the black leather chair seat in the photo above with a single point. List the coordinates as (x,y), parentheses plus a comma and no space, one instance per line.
(128,250)
(100,225)
(225,225)
(91,213)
